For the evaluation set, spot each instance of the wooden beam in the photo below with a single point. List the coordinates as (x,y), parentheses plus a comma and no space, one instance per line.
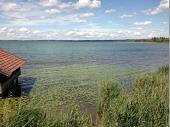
(0,89)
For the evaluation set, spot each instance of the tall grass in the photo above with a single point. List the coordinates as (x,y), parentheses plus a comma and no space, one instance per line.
(73,119)
(25,117)
(109,92)
(145,106)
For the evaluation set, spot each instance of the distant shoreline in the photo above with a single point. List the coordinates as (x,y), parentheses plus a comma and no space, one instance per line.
(155,39)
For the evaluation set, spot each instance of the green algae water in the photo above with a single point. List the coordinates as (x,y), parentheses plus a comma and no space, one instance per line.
(58,74)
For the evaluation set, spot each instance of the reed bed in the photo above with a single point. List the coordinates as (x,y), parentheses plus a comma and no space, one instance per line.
(146,105)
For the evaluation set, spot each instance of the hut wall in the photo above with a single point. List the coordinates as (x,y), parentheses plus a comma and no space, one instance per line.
(7,82)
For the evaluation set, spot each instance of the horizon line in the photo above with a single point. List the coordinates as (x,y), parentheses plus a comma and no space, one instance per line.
(78,39)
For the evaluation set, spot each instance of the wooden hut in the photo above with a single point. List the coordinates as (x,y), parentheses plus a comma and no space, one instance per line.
(9,71)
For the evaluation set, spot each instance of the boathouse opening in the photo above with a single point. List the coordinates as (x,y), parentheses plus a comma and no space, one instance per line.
(10,69)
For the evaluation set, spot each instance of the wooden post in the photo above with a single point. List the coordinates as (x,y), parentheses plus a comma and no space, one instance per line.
(17,81)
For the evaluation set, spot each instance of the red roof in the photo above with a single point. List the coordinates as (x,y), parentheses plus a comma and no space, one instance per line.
(9,62)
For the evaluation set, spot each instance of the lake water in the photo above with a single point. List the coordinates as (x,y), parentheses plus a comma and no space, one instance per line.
(143,56)
(58,73)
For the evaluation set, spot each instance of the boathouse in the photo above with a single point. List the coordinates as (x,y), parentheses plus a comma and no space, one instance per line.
(10,69)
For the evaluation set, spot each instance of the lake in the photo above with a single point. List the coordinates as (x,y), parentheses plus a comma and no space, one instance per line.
(62,72)
(143,56)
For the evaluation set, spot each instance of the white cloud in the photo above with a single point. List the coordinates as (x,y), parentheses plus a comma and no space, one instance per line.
(88,4)
(110,11)
(23,30)
(36,31)
(18,17)
(87,14)
(70,5)
(128,33)
(72,19)
(77,34)
(54,34)
(49,2)
(3,29)
(102,34)
(164,5)
(45,12)
(77,20)
(90,34)
(150,35)
(128,15)
(52,11)
(55,6)
(142,23)
(125,16)
(137,33)
(139,28)
(48,19)
(12,7)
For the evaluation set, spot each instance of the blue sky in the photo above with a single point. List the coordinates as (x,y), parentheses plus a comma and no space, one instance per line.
(83,19)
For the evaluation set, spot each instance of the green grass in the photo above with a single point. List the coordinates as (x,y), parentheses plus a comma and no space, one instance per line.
(146,105)
(33,117)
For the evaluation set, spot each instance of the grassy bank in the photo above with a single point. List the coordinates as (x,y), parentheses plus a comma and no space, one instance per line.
(145,106)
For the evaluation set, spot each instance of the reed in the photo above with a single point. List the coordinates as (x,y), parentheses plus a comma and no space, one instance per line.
(25,117)
(146,105)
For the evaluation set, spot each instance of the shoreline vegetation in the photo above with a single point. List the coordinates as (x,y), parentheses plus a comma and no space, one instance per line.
(145,106)
(154,39)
